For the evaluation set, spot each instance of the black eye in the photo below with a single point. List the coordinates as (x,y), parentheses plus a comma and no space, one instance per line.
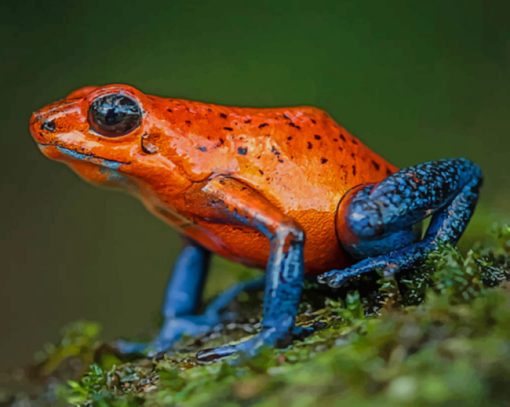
(114,115)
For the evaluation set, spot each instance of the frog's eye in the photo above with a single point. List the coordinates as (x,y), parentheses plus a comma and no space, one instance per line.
(114,115)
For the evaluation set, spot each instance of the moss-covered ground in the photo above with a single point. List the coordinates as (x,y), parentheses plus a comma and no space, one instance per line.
(437,335)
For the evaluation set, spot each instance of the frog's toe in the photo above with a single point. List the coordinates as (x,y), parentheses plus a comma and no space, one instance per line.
(252,346)
(390,263)
(212,354)
(172,331)
(130,348)
(333,278)
(336,278)
(149,349)
(248,348)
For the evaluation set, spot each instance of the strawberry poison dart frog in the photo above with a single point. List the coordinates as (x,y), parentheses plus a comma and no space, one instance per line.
(285,189)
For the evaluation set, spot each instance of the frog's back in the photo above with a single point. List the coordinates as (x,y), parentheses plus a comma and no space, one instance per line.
(246,141)
(299,158)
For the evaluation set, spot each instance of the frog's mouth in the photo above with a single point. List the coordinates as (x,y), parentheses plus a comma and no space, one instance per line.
(87,157)
(92,168)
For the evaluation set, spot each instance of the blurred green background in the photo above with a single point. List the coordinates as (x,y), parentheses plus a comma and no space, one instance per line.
(414,80)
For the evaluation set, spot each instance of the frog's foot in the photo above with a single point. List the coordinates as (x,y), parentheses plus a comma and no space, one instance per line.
(172,330)
(378,222)
(251,346)
(389,264)
(191,325)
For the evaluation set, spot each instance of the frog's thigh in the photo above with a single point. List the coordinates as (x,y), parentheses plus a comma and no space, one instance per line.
(229,201)
(376,221)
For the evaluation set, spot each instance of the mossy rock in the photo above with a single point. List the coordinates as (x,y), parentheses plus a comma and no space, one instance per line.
(437,335)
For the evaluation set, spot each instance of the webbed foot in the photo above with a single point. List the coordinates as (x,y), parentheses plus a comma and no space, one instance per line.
(251,346)
(171,332)
(389,264)
(191,325)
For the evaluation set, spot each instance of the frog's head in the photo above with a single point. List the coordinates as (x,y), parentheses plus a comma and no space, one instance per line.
(100,132)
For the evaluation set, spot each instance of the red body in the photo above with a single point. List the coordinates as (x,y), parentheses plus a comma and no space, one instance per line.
(298,158)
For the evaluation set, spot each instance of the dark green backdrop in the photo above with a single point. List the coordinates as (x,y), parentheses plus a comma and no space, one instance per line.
(415,80)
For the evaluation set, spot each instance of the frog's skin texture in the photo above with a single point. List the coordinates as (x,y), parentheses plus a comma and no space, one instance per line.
(287,189)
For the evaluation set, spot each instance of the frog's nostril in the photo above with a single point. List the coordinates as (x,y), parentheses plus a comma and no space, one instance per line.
(49,125)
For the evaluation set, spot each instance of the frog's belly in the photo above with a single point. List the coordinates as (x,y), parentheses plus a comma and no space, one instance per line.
(247,246)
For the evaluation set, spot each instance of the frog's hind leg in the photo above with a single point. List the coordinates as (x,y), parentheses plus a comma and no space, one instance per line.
(377,222)
(182,299)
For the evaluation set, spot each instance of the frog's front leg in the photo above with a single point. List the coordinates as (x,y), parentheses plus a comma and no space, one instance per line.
(377,222)
(182,299)
(226,200)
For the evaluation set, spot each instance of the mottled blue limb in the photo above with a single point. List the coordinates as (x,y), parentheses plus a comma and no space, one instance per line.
(184,289)
(182,298)
(379,219)
(285,267)
(284,280)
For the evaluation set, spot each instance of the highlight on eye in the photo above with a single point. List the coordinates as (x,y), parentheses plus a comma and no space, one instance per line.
(114,115)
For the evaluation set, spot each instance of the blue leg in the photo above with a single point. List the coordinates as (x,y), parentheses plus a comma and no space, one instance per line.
(284,280)
(184,289)
(234,202)
(182,298)
(379,221)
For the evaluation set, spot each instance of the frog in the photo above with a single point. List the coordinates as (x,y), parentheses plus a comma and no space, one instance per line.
(287,190)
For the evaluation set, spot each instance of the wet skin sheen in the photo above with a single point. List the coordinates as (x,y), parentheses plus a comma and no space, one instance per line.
(285,189)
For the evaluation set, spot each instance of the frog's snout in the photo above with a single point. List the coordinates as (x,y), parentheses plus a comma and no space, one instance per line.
(41,123)
(46,122)
(36,127)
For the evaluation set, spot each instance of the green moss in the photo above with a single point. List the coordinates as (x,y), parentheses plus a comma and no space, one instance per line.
(437,335)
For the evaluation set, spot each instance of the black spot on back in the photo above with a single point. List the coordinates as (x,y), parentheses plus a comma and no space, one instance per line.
(277,153)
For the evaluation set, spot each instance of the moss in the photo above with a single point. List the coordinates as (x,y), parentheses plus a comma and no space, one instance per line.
(436,335)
